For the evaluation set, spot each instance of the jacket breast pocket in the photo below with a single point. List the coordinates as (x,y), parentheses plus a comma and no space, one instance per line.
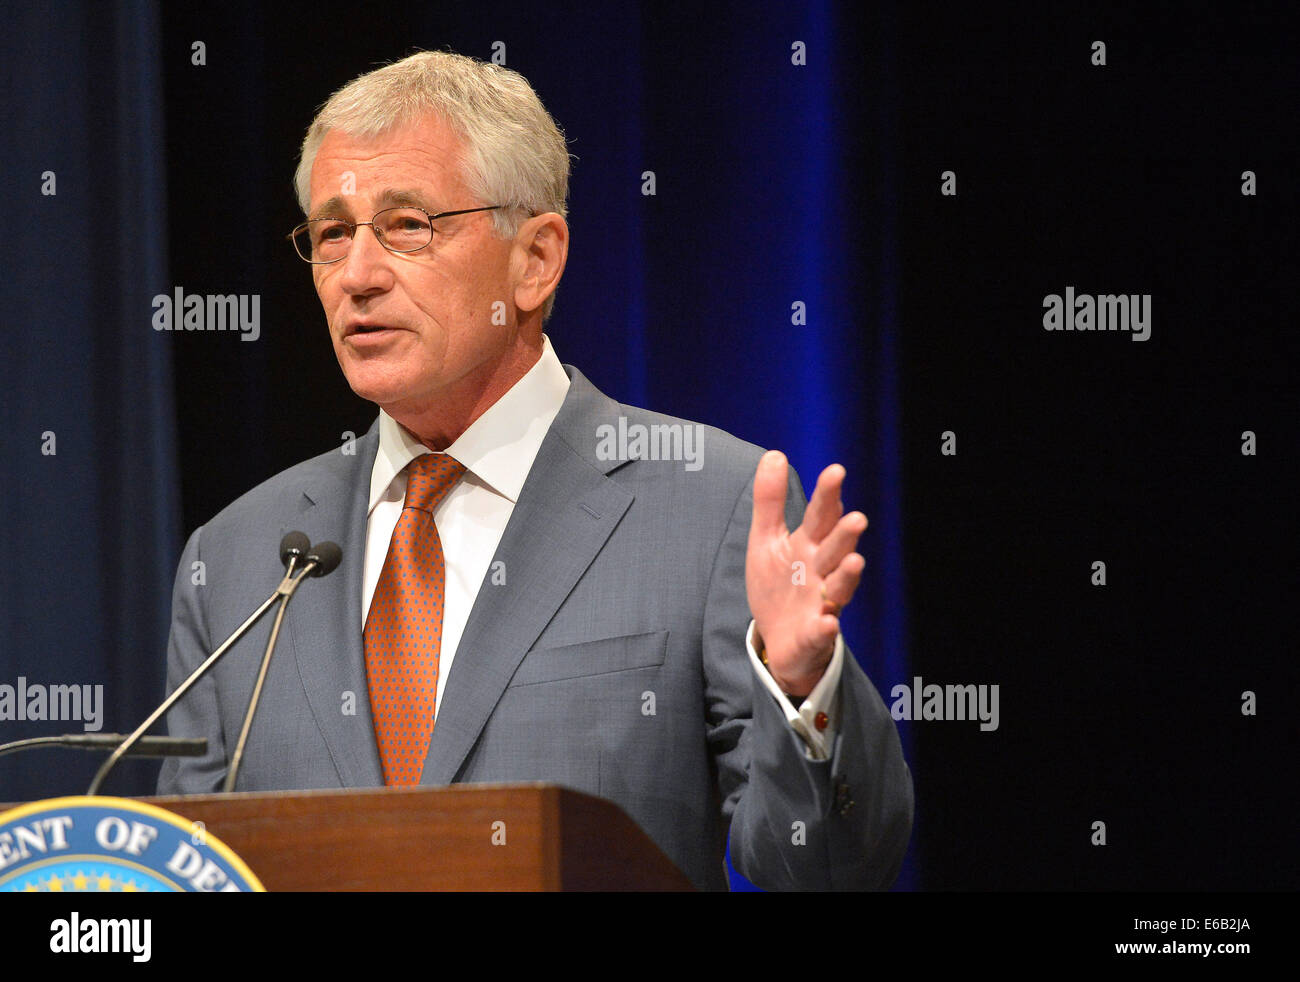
(588,658)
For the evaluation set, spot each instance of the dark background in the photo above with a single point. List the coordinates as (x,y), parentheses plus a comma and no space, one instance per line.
(776,183)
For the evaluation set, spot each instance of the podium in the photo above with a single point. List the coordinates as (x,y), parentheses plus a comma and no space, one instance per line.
(460,837)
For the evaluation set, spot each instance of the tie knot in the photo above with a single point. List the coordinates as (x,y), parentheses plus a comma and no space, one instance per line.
(428,479)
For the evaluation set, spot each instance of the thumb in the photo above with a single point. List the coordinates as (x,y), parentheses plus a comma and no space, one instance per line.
(770,481)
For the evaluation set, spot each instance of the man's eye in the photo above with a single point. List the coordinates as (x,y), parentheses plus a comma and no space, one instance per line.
(332,233)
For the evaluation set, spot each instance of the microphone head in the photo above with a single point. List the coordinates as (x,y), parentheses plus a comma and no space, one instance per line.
(327,556)
(293,544)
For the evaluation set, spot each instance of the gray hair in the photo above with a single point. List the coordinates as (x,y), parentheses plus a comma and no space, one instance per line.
(515,155)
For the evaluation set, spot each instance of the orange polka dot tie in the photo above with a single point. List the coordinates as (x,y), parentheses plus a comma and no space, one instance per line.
(403,635)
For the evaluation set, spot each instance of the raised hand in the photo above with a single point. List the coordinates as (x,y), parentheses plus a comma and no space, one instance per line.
(798,582)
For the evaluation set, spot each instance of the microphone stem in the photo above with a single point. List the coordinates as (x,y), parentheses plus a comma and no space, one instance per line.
(185,686)
(147,747)
(238,755)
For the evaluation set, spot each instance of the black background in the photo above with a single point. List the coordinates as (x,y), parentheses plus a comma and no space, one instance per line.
(1120,704)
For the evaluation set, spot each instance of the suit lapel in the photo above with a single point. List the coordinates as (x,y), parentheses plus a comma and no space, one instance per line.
(566,511)
(324,612)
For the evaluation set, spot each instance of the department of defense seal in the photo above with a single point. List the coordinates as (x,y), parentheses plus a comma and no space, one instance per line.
(99,844)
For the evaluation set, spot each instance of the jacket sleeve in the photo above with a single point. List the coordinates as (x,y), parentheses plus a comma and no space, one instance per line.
(796,823)
(197,714)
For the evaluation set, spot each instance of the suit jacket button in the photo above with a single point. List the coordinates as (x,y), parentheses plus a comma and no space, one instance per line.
(843,800)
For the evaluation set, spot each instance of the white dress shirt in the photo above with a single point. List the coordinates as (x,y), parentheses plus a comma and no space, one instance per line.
(498,450)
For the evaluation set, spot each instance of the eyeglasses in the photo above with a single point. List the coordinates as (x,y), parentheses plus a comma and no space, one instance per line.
(401,230)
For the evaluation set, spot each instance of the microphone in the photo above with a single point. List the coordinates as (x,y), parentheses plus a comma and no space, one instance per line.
(150,746)
(321,561)
(326,556)
(292,546)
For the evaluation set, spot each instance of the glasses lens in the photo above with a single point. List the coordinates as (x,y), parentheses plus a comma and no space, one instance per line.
(404,229)
(302,242)
(323,240)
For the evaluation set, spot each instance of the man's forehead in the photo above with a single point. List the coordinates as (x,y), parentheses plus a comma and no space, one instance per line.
(405,165)
(386,198)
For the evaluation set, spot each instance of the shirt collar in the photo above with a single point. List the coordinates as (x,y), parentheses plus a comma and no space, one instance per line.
(499,447)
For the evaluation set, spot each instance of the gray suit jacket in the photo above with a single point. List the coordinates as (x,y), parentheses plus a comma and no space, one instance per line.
(621,578)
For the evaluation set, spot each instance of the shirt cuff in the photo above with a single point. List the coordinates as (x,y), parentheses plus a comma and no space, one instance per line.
(821,706)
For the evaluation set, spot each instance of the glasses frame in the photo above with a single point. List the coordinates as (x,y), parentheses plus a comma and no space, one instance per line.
(293,236)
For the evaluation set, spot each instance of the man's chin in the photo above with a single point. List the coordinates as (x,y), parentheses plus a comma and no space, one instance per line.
(373,384)
(375,377)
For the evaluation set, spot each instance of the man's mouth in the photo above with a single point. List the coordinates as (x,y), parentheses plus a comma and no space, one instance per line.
(359,329)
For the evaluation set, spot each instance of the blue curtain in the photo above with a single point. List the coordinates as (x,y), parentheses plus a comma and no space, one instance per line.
(90,534)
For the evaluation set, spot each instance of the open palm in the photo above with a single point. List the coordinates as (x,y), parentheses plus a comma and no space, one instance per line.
(798,582)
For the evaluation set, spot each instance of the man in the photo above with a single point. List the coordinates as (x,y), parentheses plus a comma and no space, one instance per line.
(522,596)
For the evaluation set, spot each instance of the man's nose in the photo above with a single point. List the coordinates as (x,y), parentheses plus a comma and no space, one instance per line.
(366,268)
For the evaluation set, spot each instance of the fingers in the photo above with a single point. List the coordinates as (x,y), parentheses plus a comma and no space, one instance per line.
(770,481)
(842,540)
(824,630)
(842,583)
(825,507)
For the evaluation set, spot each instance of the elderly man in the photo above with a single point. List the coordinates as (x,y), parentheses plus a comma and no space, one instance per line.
(523,597)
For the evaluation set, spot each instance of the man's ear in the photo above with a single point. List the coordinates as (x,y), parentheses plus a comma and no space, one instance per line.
(541,249)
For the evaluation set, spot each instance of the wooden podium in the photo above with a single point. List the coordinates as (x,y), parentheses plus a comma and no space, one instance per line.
(461,837)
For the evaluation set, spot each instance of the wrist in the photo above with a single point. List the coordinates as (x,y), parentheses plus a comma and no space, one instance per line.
(761,650)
